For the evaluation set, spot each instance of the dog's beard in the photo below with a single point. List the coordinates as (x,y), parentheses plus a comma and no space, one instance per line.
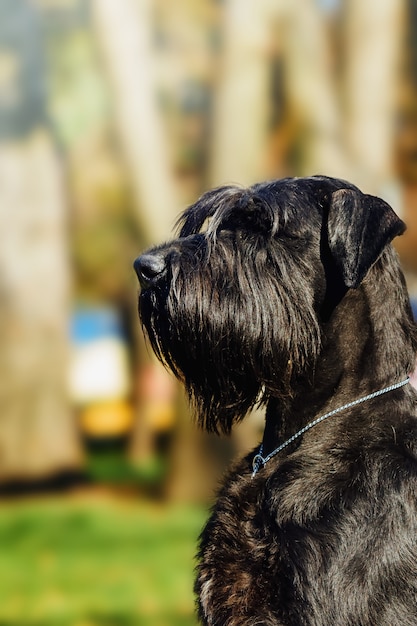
(228,329)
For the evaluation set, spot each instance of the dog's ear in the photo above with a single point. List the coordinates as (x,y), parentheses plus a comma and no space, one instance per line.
(359,227)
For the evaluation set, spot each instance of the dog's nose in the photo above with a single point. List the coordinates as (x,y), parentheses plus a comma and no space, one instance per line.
(149,267)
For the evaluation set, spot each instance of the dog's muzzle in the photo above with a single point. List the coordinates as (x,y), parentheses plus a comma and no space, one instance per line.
(149,268)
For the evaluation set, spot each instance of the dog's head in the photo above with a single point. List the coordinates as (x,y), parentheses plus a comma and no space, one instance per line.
(236,304)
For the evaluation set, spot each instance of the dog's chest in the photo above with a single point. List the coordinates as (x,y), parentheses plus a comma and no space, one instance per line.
(302,541)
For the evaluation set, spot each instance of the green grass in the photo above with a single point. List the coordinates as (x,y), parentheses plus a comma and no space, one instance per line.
(97,562)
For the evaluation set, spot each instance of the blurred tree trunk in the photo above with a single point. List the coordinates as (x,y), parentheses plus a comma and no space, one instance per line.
(252,34)
(312,89)
(345,119)
(125,33)
(38,436)
(242,99)
(373,35)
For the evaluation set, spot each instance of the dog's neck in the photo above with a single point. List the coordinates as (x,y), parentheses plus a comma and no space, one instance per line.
(347,368)
(261,458)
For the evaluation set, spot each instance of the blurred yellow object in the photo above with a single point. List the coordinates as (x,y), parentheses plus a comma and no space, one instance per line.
(159,415)
(107,419)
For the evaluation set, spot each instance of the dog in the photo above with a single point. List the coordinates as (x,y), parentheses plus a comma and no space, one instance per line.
(289,295)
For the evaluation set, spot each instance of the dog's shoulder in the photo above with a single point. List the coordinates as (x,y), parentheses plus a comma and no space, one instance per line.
(372,464)
(345,518)
(322,482)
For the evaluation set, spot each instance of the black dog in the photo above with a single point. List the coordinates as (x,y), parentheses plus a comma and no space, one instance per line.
(289,294)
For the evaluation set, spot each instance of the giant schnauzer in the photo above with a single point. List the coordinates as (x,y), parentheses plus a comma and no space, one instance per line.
(289,294)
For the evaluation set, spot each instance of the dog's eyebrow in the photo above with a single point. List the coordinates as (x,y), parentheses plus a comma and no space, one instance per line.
(211,204)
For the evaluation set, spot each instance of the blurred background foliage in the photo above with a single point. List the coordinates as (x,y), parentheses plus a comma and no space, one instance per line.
(113,117)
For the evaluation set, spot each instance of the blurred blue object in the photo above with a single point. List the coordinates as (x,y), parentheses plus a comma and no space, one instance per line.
(99,365)
(91,324)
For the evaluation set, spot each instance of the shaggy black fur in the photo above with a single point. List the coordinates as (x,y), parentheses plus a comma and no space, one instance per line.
(289,294)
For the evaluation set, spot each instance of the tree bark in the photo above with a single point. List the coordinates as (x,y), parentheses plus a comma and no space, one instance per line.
(373,34)
(240,126)
(312,89)
(38,436)
(297,32)
(124,30)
